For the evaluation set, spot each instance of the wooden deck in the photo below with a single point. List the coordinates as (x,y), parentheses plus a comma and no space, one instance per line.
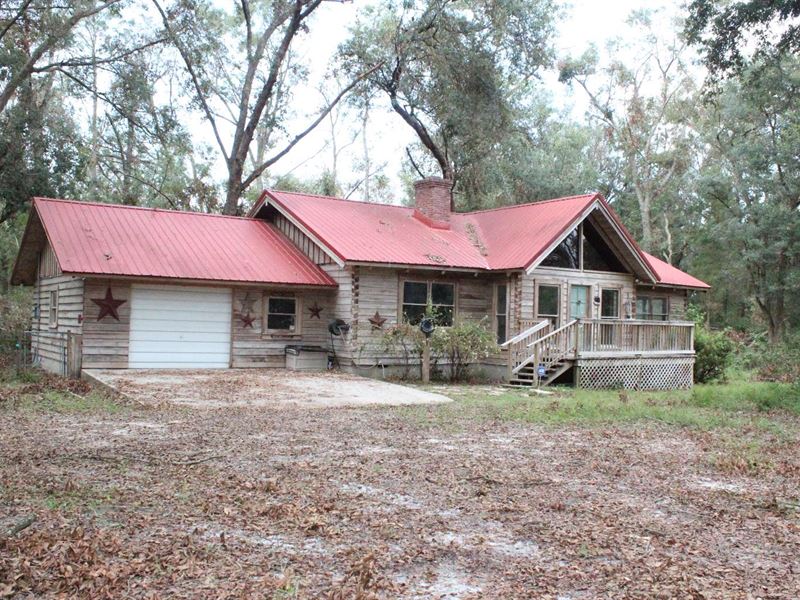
(606,352)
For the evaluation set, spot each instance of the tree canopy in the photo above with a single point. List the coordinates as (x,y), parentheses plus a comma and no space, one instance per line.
(199,105)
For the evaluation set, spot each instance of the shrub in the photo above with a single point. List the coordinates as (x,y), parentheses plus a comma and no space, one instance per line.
(713,349)
(403,340)
(462,345)
(15,312)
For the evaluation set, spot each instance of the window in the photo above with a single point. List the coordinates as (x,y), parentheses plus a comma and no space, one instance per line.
(501,311)
(597,256)
(651,308)
(609,304)
(52,316)
(547,303)
(567,253)
(584,249)
(282,314)
(417,295)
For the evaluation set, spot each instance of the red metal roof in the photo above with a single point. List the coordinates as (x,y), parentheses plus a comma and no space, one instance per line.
(509,238)
(515,236)
(110,239)
(669,275)
(504,238)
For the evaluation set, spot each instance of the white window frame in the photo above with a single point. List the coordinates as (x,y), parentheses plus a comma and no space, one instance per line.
(650,315)
(52,309)
(619,301)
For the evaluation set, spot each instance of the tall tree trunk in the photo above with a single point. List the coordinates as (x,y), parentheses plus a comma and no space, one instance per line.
(93,154)
(234,186)
(365,147)
(644,200)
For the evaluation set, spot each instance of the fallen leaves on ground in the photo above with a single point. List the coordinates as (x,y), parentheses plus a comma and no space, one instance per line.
(372,503)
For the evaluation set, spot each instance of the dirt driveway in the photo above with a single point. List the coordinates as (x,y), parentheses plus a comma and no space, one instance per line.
(428,502)
(219,388)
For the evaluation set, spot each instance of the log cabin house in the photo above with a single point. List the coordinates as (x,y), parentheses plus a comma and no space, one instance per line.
(563,285)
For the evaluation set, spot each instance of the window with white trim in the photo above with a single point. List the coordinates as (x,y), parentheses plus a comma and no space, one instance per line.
(417,295)
(52,317)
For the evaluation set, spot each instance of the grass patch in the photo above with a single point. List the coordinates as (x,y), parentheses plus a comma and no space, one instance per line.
(734,405)
(37,391)
(63,402)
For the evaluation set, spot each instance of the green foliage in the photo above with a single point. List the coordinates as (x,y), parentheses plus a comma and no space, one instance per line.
(749,185)
(463,344)
(713,354)
(457,73)
(750,405)
(15,312)
(403,340)
(726,30)
(778,362)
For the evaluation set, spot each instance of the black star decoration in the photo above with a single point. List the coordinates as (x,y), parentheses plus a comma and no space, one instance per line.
(247,320)
(315,310)
(108,305)
(377,320)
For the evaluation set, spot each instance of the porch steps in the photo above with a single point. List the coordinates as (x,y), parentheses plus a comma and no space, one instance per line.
(527,375)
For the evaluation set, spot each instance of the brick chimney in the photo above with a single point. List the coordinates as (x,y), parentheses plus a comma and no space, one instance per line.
(432,201)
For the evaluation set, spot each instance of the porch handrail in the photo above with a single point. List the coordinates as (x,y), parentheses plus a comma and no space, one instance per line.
(517,345)
(635,336)
(564,341)
(552,333)
(527,333)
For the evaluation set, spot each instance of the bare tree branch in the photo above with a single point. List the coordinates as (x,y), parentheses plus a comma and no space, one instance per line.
(294,141)
(194,77)
(48,44)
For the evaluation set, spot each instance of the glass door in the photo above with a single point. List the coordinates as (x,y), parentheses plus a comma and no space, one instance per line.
(579,302)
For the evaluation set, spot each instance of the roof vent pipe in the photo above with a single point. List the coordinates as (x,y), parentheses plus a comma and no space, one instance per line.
(433,198)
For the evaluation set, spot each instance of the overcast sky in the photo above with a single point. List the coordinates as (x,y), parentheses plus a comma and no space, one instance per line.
(585,22)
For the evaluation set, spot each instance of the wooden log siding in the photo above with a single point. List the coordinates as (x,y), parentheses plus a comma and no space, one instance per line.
(564,278)
(377,289)
(677,300)
(302,241)
(105,343)
(254,347)
(49,344)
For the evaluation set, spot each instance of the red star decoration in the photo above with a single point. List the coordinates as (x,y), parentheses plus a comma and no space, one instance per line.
(377,320)
(247,320)
(108,306)
(315,311)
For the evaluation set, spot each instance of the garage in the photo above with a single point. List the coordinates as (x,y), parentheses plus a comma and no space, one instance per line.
(179,327)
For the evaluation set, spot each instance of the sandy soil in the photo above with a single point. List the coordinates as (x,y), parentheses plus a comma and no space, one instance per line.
(261,387)
(383,503)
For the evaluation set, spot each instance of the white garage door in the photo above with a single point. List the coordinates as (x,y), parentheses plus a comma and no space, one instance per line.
(177,327)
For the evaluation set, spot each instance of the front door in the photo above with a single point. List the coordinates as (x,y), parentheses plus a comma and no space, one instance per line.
(579,302)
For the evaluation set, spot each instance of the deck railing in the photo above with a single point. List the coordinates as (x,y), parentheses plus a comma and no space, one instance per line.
(607,336)
(518,347)
(551,348)
(541,345)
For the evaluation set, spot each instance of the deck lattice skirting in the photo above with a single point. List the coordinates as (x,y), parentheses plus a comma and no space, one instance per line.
(645,373)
